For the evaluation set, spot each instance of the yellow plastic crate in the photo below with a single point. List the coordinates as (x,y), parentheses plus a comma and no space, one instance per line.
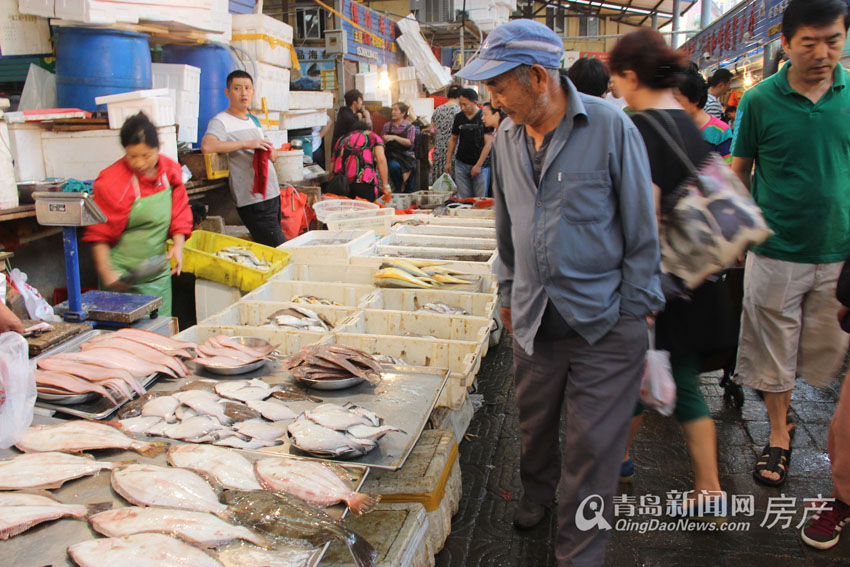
(199,259)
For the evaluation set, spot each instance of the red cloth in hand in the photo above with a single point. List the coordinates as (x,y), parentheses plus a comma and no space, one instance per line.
(261,171)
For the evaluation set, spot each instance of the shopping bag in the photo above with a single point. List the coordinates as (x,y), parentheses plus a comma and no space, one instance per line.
(444,184)
(37,307)
(713,219)
(293,208)
(17,388)
(657,386)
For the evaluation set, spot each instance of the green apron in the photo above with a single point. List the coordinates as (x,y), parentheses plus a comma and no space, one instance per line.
(145,236)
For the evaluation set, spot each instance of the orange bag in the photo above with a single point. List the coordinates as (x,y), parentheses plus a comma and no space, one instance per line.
(293,212)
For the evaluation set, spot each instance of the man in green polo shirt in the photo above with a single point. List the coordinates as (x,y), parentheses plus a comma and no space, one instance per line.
(795,128)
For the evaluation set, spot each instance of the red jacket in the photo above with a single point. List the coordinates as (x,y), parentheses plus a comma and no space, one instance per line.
(113,193)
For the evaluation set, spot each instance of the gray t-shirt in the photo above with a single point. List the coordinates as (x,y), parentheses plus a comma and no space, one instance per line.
(228,128)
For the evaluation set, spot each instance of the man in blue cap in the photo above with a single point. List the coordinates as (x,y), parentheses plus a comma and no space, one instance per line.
(578,272)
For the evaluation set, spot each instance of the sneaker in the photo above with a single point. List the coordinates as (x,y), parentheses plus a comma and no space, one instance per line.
(824,528)
(627,471)
(529,514)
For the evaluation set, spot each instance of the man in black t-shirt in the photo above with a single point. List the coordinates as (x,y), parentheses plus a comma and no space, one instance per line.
(472,140)
(349,114)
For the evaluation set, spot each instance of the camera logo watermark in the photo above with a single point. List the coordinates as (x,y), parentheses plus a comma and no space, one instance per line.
(689,511)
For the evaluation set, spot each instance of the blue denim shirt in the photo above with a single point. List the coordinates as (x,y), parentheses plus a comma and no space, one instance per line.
(586,236)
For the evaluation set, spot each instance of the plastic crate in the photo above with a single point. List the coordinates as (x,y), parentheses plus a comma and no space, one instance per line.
(475,304)
(326,273)
(327,206)
(199,259)
(328,246)
(446,230)
(346,295)
(378,220)
(434,241)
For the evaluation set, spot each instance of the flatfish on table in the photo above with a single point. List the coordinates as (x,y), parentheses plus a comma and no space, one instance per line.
(243,555)
(198,528)
(20,511)
(151,485)
(226,468)
(286,516)
(47,470)
(139,550)
(78,436)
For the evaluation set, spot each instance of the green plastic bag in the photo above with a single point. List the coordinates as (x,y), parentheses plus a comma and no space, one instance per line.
(444,184)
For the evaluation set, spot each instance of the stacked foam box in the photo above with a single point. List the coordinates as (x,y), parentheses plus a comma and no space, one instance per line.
(408,84)
(311,100)
(366,82)
(267,40)
(488,15)
(183,83)
(428,69)
(271,83)
(204,15)
(155,103)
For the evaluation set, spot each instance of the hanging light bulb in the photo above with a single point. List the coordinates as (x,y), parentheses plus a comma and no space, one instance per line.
(748,80)
(384,79)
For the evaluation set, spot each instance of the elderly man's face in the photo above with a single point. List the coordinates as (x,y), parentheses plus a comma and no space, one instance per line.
(515,99)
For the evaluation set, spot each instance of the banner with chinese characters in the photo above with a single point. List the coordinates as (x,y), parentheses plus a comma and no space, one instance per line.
(745,28)
(310,56)
(371,35)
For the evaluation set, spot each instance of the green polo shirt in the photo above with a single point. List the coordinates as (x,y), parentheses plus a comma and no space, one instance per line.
(802,172)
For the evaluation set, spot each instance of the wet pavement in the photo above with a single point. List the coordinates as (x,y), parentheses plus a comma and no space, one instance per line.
(482,534)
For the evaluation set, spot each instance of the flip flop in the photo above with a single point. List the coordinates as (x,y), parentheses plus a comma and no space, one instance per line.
(627,471)
(773,459)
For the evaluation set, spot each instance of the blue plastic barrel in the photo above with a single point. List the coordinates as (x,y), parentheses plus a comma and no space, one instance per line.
(215,63)
(97,62)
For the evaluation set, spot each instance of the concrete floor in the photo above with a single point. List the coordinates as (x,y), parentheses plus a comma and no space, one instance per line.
(482,534)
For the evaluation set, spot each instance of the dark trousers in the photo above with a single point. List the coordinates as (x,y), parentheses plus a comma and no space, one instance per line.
(364,191)
(263,222)
(397,180)
(600,384)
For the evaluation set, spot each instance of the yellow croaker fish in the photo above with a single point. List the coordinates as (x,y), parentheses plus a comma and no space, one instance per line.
(447,279)
(386,276)
(405,266)
(427,263)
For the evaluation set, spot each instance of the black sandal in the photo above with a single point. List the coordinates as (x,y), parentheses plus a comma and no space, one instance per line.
(776,460)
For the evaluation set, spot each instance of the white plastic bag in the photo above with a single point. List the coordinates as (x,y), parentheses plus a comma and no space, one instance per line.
(37,308)
(657,387)
(444,184)
(17,389)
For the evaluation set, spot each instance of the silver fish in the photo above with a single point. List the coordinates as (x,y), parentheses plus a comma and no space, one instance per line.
(204,403)
(141,424)
(139,550)
(19,511)
(443,308)
(77,436)
(228,469)
(163,407)
(371,432)
(314,438)
(193,427)
(272,409)
(259,429)
(198,528)
(244,390)
(336,417)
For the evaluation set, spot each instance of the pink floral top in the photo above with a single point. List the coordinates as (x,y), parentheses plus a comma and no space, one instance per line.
(354,154)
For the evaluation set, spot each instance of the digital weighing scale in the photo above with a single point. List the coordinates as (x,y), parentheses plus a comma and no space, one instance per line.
(70,210)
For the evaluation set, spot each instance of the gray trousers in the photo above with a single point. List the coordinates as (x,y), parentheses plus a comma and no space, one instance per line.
(600,383)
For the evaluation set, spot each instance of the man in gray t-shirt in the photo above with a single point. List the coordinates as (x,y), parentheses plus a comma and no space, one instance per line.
(238,133)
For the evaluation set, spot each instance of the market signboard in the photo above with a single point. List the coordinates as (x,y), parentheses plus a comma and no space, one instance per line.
(371,35)
(745,28)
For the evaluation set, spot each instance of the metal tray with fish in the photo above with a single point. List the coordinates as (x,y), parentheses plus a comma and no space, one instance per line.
(85,406)
(330,384)
(239,370)
(47,543)
(404,398)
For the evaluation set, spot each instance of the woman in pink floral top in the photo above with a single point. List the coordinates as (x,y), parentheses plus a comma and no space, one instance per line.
(360,155)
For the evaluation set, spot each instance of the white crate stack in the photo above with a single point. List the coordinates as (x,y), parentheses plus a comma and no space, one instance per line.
(155,103)
(183,83)
(486,14)
(408,84)
(268,41)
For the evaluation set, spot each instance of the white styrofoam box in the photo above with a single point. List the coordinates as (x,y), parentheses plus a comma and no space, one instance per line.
(278,137)
(159,109)
(488,222)
(384,97)
(271,83)
(212,297)
(346,295)
(43,8)
(274,41)
(431,240)
(366,82)
(25,143)
(297,119)
(83,155)
(288,344)
(310,100)
(328,245)
(176,76)
(187,130)
(423,107)
(419,53)
(248,313)
(203,19)
(476,304)
(475,262)
(186,104)
(328,273)
(473,213)
(418,324)
(378,220)
(446,230)
(97,11)
(406,73)
(130,96)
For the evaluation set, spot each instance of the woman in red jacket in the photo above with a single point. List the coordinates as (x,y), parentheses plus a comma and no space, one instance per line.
(145,202)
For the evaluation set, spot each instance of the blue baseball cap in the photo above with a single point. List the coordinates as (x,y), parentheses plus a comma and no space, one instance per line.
(519,42)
